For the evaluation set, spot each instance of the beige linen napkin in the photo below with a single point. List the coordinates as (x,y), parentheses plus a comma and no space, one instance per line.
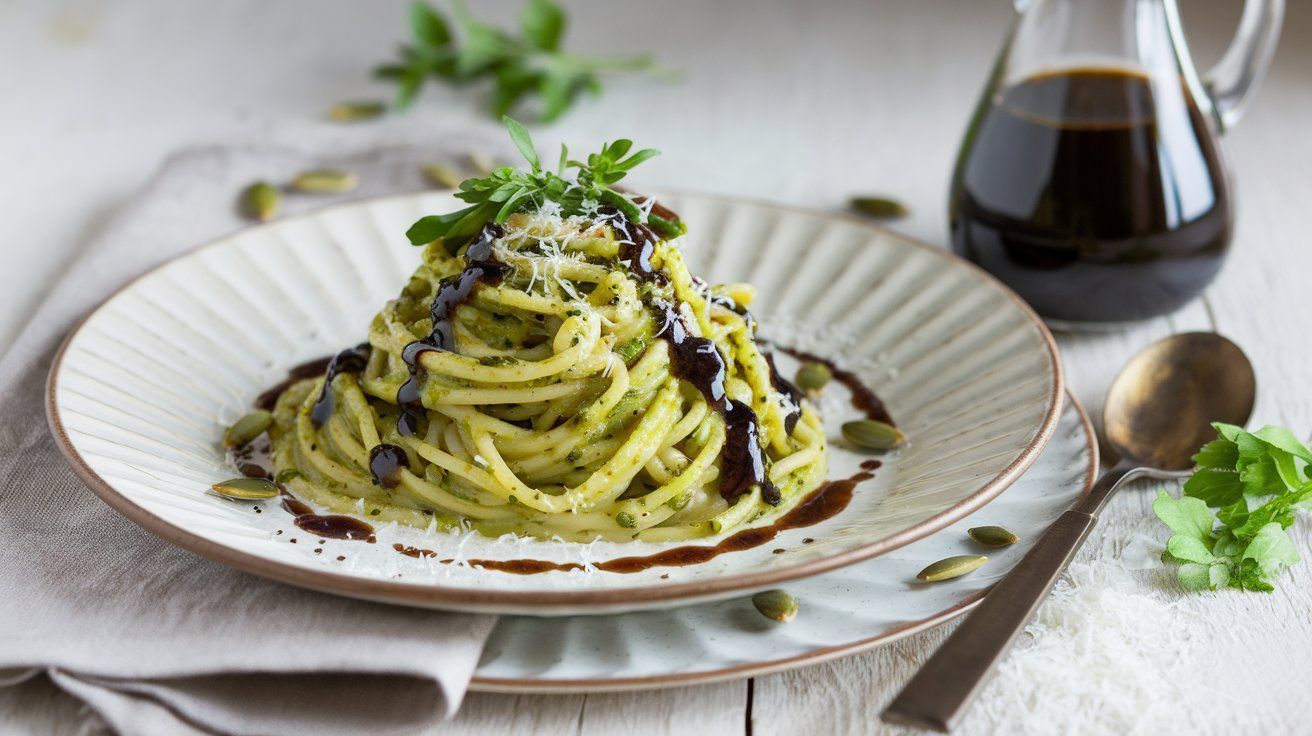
(158,640)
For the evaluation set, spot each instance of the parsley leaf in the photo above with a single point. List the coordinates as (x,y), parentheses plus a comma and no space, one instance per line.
(1189,549)
(1219,453)
(465,49)
(508,190)
(1215,486)
(1187,517)
(1255,481)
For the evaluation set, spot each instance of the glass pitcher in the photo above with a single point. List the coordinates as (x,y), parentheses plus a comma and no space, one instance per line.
(1091,179)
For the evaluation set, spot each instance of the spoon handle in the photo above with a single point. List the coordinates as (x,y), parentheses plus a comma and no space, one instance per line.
(945,685)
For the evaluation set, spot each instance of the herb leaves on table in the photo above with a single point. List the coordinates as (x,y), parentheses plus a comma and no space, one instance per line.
(1230,525)
(464,49)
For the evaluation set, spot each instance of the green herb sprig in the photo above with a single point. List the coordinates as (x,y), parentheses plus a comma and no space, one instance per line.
(1230,525)
(531,65)
(508,190)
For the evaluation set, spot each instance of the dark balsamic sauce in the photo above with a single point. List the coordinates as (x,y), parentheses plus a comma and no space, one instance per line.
(415,552)
(385,464)
(331,526)
(787,388)
(726,301)
(481,267)
(638,253)
(336,526)
(1099,195)
(823,503)
(295,506)
(351,360)
(865,400)
(637,248)
(316,367)
(697,361)
(254,459)
(254,470)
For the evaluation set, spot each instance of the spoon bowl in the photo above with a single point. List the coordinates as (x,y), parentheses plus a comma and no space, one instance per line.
(1161,406)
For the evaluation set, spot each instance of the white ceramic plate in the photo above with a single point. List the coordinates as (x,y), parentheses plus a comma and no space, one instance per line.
(842,612)
(142,390)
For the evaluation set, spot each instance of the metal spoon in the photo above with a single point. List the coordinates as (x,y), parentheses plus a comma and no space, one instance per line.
(1158,413)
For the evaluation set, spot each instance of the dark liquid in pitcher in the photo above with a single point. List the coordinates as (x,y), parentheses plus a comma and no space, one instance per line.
(1095,194)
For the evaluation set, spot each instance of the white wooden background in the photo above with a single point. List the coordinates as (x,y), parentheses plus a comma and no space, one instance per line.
(804,101)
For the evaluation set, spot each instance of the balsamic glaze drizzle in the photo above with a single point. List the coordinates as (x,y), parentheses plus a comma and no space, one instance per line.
(637,247)
(351,360)
(862,397)
(269,398)
(823,503)
(385,464)
(697,361)
(332,526)
(482,267)
(787,388)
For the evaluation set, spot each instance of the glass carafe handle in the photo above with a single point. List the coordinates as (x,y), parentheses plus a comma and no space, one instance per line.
(1234,79)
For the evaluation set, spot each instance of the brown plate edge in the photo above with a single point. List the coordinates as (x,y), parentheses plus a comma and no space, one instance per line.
(773,667)
(474,599)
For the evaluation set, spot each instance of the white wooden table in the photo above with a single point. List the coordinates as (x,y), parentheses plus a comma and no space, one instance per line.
(805,102)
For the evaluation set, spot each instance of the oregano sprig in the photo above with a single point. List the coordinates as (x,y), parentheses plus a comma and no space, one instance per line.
(508,190)
(465,49)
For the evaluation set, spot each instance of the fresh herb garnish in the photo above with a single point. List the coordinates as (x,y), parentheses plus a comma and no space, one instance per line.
(508,190)
(532,64)
(1230,525)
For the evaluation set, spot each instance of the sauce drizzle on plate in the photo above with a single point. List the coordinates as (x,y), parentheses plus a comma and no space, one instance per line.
(823,503)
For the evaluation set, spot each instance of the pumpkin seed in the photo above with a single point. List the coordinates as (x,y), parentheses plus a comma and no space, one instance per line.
(952,567)
(879,208)
(812,377)
(325,181)
(992,536)
(626,520)
(777,605)
(261,201)
(246,489)
(873,435)
(247,428)
(350,112)
(442,176)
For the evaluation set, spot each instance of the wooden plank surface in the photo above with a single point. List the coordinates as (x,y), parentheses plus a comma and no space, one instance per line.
(798,101)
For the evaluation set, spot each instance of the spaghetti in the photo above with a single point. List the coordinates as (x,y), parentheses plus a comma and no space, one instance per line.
(561,375)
